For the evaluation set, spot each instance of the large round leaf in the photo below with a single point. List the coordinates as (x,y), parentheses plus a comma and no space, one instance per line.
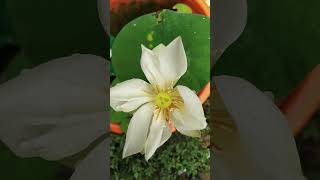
(155,28)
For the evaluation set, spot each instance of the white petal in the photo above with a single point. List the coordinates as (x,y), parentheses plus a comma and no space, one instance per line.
(150,66)
(194,133)
(103,9)
(69,84)
(208,2)
(155,135)
(94,166)
(56,109)
(191,117)
(130,95)
(138,130)
(165,135)
(164,65)
(173,60)
(158,49)
(270,95)
(230,21)
(54,138)
(263,147)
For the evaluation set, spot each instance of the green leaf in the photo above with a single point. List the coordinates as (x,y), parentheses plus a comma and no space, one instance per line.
(120,118)
(189,80)
(114,82)
(117,117)
(124,125)
(182,8)
(153,29)
(112,73)
(111,40)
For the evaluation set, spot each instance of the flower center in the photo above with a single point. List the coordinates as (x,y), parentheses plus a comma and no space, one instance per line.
(163,100)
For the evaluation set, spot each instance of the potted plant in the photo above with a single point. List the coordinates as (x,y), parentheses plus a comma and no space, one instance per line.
(123,11)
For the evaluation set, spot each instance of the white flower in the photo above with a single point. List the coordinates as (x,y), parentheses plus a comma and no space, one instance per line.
(159,103)
(57,110)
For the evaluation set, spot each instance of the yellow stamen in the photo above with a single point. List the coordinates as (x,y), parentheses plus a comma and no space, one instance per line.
(166,101)
(163,100)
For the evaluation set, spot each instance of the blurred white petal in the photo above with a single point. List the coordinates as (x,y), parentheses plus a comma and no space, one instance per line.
(94,165)
(103,9)
(230,20)
(263,146)
(55,109)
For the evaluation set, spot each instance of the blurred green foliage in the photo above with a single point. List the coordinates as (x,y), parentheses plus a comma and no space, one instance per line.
(15,168)
(278,48)
(5,29)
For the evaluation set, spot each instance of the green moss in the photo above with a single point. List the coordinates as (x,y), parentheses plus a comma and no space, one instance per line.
(180,158)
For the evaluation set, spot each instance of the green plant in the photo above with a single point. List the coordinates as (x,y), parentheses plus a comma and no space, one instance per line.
(180,158)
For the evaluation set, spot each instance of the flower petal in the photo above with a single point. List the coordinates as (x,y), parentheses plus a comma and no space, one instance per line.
(155,135)
(191,116)
(230,20)
(55,109)
(94,166)
(173,60)
(165,135)
(54,138)
(150,66)
(194,133)
(164,65)
(263,146)
(138,130)
(158,49)
(103,9)
(130,95)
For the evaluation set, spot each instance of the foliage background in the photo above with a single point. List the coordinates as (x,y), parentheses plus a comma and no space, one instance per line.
(277,49)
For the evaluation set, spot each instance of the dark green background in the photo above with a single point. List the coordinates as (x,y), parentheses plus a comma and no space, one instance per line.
(278,48)
(43,30)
